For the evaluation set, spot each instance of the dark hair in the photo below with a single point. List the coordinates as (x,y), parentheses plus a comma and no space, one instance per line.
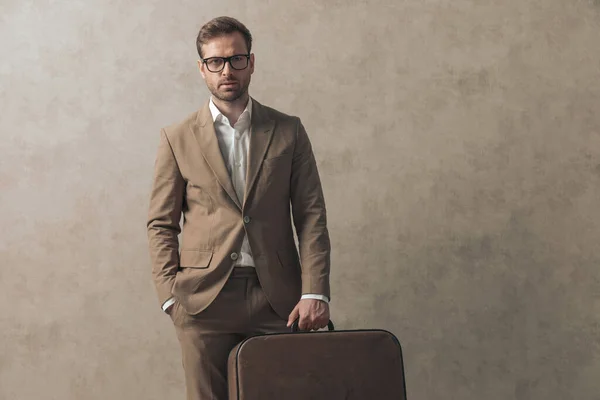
(222,26)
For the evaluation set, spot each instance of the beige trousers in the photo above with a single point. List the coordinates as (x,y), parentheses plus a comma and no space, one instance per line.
(239,311)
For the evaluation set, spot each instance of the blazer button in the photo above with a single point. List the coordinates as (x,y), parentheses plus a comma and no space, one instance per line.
(246,219)
(234,256)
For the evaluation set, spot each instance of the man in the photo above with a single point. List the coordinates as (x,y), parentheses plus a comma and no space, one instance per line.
(233,168)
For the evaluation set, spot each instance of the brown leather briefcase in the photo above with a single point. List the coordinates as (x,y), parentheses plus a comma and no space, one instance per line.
(363,364)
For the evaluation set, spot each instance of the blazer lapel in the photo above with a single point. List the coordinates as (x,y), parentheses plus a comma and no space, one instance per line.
(260,137)
(209,145)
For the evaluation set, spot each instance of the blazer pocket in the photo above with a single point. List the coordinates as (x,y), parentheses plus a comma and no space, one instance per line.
(195,258)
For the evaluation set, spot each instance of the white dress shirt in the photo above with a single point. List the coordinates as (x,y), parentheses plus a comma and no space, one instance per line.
(234,142)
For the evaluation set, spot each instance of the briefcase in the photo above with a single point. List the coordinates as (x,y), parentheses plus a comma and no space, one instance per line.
(361,364)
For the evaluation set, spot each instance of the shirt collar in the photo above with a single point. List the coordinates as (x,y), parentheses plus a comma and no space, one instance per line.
(217,116)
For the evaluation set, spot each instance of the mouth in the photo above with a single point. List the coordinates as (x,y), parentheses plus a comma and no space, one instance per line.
(228,84)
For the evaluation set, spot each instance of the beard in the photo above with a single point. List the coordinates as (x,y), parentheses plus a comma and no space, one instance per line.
(229,94)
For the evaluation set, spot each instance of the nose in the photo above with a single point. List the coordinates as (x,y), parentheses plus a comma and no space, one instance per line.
(226,69)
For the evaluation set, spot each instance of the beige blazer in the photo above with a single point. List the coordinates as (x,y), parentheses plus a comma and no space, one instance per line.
(282,185)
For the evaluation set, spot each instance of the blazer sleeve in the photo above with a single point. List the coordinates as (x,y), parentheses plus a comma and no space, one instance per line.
(310,217)
(164,215)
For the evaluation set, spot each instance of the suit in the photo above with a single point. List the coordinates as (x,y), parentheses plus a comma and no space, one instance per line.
(282,189)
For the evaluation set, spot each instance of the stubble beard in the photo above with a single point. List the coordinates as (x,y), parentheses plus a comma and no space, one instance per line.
(229,95)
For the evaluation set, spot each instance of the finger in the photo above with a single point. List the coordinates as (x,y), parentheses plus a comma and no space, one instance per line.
(324,321)
(321,323)
(310,323)
(293,316)
(302,324)
(305,322)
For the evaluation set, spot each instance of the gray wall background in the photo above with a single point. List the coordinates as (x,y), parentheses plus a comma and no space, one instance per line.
(459,146)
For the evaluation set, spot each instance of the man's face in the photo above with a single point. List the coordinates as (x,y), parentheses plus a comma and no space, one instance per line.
(229,84)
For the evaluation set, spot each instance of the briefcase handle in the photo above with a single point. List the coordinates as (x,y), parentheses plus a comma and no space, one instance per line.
(295,328)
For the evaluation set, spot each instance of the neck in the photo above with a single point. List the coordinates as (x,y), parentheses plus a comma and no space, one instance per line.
(232,109)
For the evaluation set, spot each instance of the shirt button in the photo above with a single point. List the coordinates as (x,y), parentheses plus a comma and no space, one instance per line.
(234,256)
(246,219)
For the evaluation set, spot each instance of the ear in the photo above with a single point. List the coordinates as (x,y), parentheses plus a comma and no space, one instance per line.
(251,63)
(201,68)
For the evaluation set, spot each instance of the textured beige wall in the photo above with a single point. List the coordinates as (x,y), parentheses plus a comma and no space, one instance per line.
(459,145)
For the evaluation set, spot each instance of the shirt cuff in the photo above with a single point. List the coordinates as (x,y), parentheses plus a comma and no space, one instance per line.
(315,296)
(168,304)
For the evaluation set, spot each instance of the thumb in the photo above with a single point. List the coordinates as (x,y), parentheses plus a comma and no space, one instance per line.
(293,316)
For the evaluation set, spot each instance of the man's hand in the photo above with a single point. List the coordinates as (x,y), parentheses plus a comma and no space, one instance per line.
(313,314)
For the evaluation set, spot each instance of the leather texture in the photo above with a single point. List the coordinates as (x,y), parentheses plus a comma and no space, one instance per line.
(320,365)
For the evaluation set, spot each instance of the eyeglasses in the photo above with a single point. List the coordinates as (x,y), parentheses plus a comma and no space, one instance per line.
(216,64)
